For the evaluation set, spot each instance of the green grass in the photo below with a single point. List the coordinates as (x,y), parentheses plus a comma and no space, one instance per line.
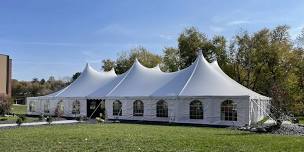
(19,109)
(11,120)
(301,120)
(132,137)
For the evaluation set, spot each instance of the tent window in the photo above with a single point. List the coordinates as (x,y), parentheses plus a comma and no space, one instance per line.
(47,107)
(196,110)
(117,111)
(161,109)
(32,106)
(60,107)
(138,108)
(76,107)
(229,111)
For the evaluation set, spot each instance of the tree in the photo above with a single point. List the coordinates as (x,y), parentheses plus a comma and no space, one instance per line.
(189,42)
(35,80)
(51,79)
(300,39)
(171,60)
(42,81)
(126,59)
(75,76)
(219,51)
(108,64)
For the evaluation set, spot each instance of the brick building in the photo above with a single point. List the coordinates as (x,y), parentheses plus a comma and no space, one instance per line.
(5,76)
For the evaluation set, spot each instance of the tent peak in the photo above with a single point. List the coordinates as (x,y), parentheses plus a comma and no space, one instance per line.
(200,52)
(157,67)
(215,63)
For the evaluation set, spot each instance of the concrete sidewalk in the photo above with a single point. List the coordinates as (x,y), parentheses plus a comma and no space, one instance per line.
(40,123)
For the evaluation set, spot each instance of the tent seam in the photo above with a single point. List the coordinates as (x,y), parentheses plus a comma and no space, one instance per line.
(118,83)
(188,79)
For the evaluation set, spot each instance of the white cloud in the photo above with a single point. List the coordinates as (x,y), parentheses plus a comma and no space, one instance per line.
(216,29)
(238,22)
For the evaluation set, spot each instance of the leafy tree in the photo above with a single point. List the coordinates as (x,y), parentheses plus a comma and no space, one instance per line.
(108,64)
(75,76)
(300,39)
(189,42)
(42,81)
(171,60)
(35,80)
(126,59)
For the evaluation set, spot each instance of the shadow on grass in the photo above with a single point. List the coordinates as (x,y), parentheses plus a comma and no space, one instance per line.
(237,134)
(158,123)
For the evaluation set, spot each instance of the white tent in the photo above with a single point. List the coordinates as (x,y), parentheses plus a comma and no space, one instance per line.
(200,94)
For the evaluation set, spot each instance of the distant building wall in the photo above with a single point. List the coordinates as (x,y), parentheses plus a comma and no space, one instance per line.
(5,76)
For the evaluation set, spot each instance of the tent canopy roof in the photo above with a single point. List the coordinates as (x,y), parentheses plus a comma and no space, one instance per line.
(199,79)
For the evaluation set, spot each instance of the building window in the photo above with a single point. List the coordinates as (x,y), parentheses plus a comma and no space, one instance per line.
(196,110)
(138,108)
(161,109)
(117,108)
(47,106)
(229,111)
(32,106)
(76,107)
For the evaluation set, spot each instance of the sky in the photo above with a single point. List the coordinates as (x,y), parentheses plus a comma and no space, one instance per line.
(58,37)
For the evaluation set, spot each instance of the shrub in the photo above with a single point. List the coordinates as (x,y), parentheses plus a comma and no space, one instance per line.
(22,117)
(3,119)
(80,118)
(41,117)
(84,118)
(5,107)
(19,121)
(49,119)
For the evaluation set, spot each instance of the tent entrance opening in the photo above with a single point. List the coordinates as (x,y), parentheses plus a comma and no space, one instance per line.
(95,108)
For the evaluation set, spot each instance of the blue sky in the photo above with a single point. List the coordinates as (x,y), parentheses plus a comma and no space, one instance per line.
(57,37)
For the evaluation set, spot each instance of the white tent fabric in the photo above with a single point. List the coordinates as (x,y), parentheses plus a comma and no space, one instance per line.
(199,79)
(88,81)
(202,81)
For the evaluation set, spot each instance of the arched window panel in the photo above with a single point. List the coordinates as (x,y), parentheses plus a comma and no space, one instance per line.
(117,108)
(229,110)
(161,109)
(47,106)
(138,108)
(196,110)
(32,106)
(76,107)
(60,107)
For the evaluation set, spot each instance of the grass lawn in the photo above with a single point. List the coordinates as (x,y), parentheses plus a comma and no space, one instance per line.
(133,137)
(19,109)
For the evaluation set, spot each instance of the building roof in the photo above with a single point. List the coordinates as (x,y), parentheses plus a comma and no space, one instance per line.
(199,79)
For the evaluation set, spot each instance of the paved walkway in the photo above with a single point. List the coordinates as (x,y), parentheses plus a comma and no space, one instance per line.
(40,123)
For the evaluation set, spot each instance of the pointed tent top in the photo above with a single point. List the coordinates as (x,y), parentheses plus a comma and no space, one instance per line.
(112,71)
(215,63)
(87,67)
(201,58)
(200,52)
(136,60)
(157,67)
